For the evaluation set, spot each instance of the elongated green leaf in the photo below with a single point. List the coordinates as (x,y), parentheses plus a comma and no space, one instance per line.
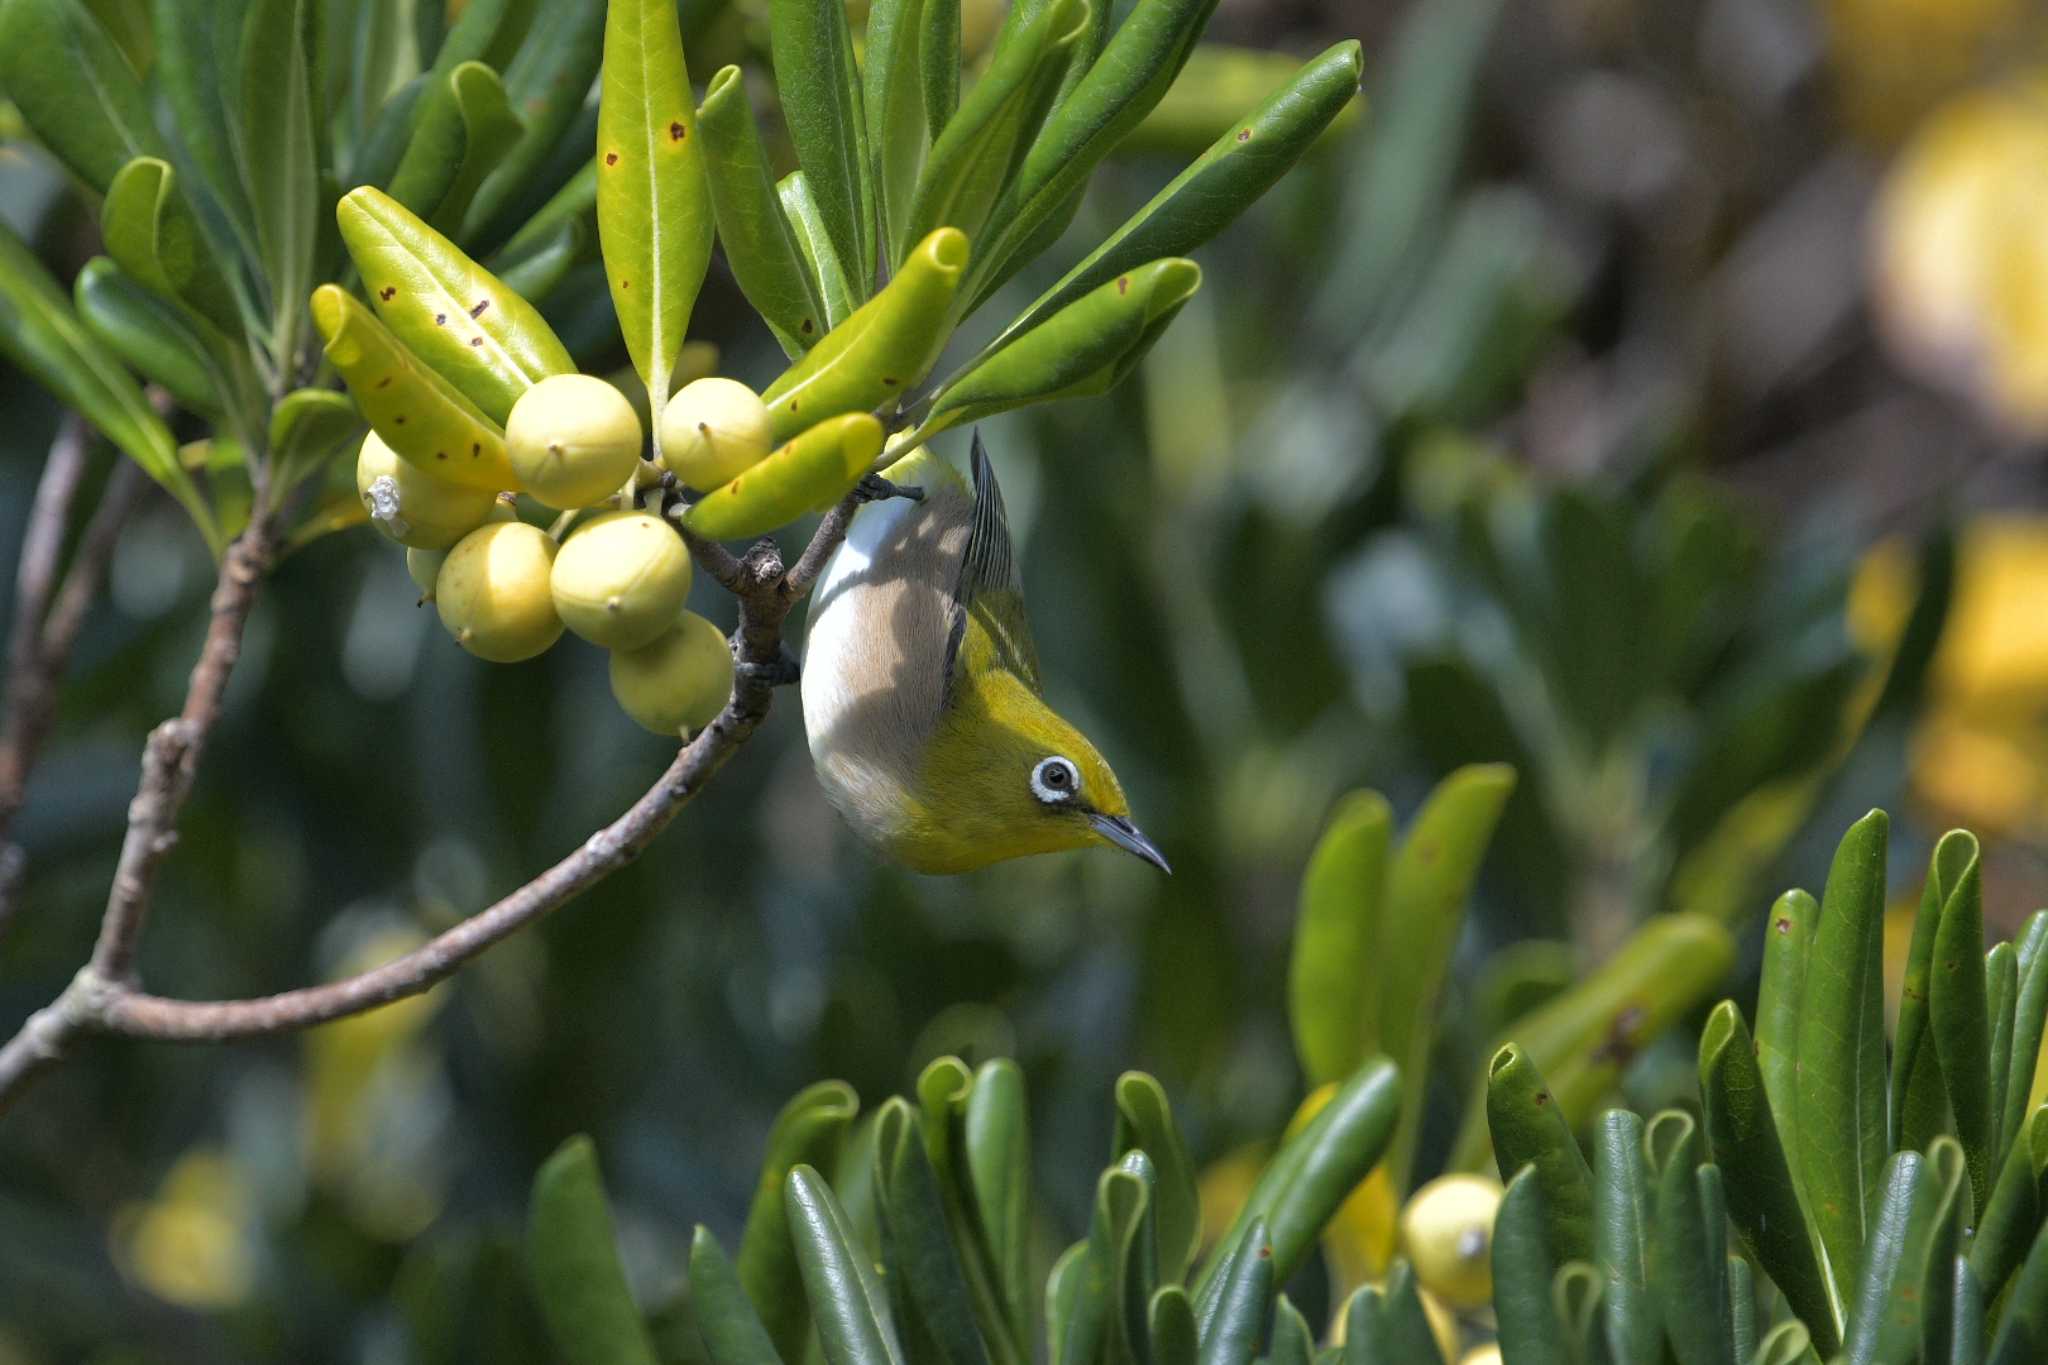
(575,202)
(1528,1130)
(376,159)
(1342,895)
(1763,1202)
(1205,198)
(812,48)
(2023,1330)
(74,88)
(1788,944)
(1957,1017)
(279,143)
(1840,1128)
(1086,348)
(40,333)
(654,218)
(852,1314)
(308,429)
(971,160)
(833,278)
(893,102)
(1577,1292)
(1293,1342)
(154,337)
(1522,1270)
(1110,99)
(1938,1263)
(1742,1310)
(1621,1236)
(2001,987)
(416,412)
(537,275)
(1408,1333)
(546,82)
(1073,1313)
(463,128)
(759,243)
(2018,1206)
(1788,1343)
(731,1330)
(1885,1327)
(1686,1268)
(886,346)
(573,1252)
(1919,1105)
(151,233)
(487,341)
(938,64)
(2030,1015)
(1968,1328)
(927,1286)
(808,1132)
(1231,1327)
(198,52)
(1145,1122)
(998,1142)
(1310,1176)
(1172,1319)
(1365,1328)
(1131,1243)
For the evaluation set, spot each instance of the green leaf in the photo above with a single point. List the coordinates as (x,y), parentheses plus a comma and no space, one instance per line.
(894,104)
(998,1161)
(804,475)
(1577,1292)
(726,1321)
(938,62)
(2030,1015)
(575,202)
(1788,946)
(462,129)
(40,333)
(852,1315)
(1789,1343)
(546,82)
(198,52)
(2001,986)
(815,76)
(1087,348)
(875,356)
(1311,1175)
(1172,1320)
(927,1284)
(1334,1017)
(1365,1328)
(538,274)
(808,1132)
(280,155)
(1113,96)
(457,317)
(1243,1280)
(1523,1267)
(74,88)
(972,159)
(759,243)
(1957,1015)
(1741,1299)
(2017,1207)
(420,415)
(573,1253)
(155,337)
(1074,1295)
(1763,1202)
(654,218)
(1621,1236)
(1406,1326)
(1427,887)
(1144,1121)
(1205,198)
(152,234)
(1840,1128)
(1528,1130)
(309,428)
(828,270)
(1129,1246)
(2023,1331)
(1293,1342)
(1687,1262)
(1969,1324)
(1886,1326)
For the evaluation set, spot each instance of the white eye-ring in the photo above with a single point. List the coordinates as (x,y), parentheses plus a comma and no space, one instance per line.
(1055,781)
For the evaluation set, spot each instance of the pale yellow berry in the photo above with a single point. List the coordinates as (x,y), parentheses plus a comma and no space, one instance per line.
(1447,1232)
(621,578)
(714,431)
(573,440)
(412,506)
(679,682)
(494,594)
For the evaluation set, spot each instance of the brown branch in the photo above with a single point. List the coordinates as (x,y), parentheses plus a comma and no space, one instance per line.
(100,1000)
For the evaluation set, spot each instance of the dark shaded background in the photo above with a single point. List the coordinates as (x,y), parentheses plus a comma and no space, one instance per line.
(1539,417)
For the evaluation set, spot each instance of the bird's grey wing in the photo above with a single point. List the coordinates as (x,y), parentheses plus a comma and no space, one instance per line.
(990,590)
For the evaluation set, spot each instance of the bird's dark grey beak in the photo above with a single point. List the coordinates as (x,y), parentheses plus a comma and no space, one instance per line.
(1131,839)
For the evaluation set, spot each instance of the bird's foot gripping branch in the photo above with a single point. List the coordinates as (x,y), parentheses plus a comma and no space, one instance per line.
(519,485)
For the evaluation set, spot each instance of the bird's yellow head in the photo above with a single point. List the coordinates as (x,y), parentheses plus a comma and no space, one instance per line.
(1006,776)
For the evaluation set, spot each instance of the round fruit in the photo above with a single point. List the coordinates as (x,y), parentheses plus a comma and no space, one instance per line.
(425,565)
(1447,1230)
(493,592)
(573,440)
(412,506)
(677,683)
(714,431)
(621,578)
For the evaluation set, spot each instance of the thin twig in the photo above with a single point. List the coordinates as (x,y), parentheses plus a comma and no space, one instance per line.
(102,998)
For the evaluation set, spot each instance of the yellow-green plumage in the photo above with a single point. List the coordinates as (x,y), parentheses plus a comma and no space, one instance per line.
(921,690)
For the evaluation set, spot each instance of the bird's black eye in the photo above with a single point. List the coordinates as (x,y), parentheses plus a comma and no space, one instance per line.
(1055,780)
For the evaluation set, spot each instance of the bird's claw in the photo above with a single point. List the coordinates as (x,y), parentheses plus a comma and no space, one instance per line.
(875,488)
(783,671)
